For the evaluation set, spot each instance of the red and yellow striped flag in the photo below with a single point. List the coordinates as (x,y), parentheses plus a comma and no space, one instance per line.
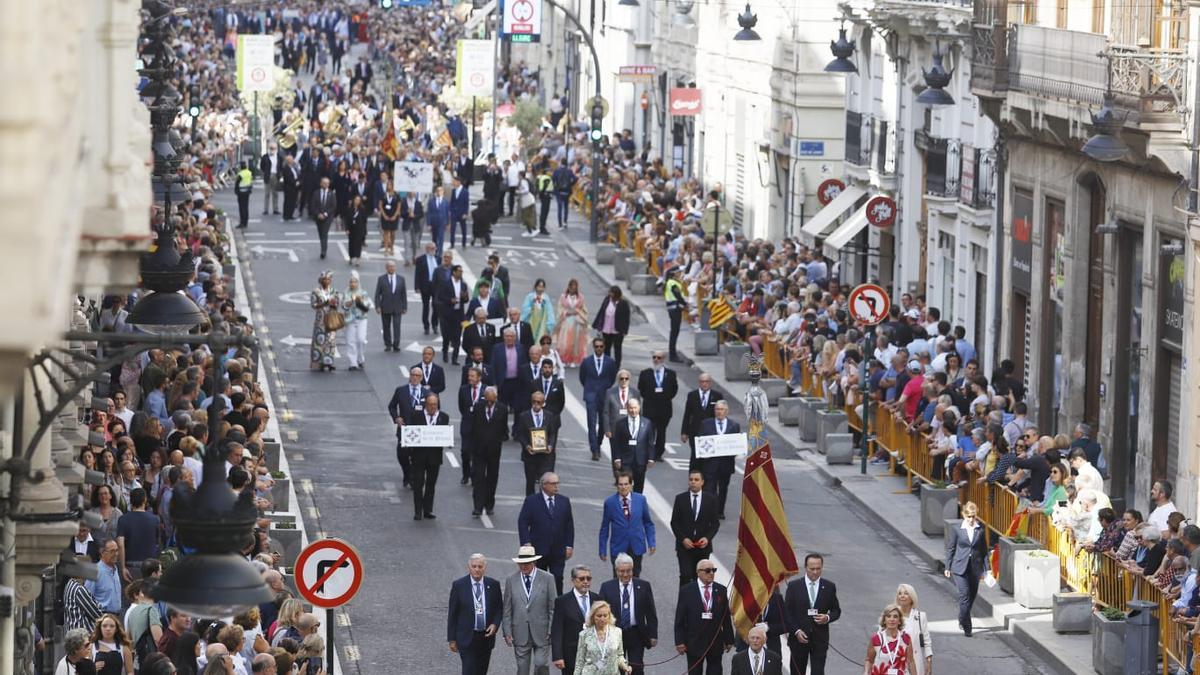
(765,556)
(390,145)
(719,311)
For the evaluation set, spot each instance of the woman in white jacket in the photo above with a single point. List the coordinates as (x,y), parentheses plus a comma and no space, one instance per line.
(916,624)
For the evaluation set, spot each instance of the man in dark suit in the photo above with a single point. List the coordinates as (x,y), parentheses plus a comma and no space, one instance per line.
(433,376)
(597,375)
(495,307)
(452,296)
(546,523)
(631,601)
(290,180)
(626,525)
(460,206)
(406,400)
(269,169)
(632,444)
(551,388)
(473,616)
(717,470)
(469,395)
(490,430)
(658,386)
(757,659)
(525,385)
(437,214)
(507,360)
(476,359)
(570,613)
(411,213)
(479,333)
(83,543)
(810,605)
(426,460)
(521,328)
(323,209)
(464,169)
(616,403)
(500,274)
(703,625)
(700,406)
(363,72)
(391,301)
(694,523)
(966,555)
(537,418)
(424,279)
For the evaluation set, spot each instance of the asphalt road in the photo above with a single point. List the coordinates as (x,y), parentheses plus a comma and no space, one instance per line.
(341,442)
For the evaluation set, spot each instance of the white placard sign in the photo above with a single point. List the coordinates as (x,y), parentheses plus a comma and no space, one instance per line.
(522,18)
(475,71)
(255,63)
(722,445)
(414,177)
(427,436)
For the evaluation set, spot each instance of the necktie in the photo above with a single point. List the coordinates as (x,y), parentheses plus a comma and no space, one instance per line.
(625,508)
(479,627)
(537,422)
(392,282)
(707,597)
(704,399)
(756,670)
(695,506)
(481,331)
(720,426)
(626,619)
(598,361)
(489,413)
(474,393)
(812,594)
(550,505)
(528,585)
(546,387)
(415,397)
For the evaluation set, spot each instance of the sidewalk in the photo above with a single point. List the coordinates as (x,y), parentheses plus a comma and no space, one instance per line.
(884,495)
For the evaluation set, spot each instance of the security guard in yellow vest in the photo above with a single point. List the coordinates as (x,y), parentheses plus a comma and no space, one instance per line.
(245,183)
(545,191)
(676,298)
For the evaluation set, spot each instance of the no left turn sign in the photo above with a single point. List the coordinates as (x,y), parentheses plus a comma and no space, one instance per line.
(328,573)
(869,304)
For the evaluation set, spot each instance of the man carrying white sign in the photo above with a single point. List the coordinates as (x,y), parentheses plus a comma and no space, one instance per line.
(426,460)
(720,440)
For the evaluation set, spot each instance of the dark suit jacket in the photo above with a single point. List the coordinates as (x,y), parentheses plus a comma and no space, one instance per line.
(550,535)
(466,409)
(460,203)
(693,414)
(436,381)
(445,297)
(550,423)
(685,526)
(596,384)
(431,456)
(698,633)
(437,214)
(499,362)
(410,216)
(796,606)
(460,616)
(471,339)
(401,406)
(566,625)
(386,300)
(633,451)
(645,614)
(93,551)
(421,277)
(487,370)
(525,338)
(556,399)
(772,664)
(964,556)
(501,275)
(488,436)
(709,428)
(494,306)
(329,207)
(655,404)
(620,320)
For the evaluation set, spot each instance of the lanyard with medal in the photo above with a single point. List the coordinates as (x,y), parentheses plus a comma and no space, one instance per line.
(890,655)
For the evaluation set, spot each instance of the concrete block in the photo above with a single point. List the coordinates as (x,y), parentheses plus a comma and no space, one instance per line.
(1035,579)
(829,422)
(621,264)
(705,343)
(1072,612)
(839,448)
(735,364)
(272,450)
(808,417)
(642,284)
(1008,551)
(789,410)
(287,542)
(937,504)
(281,495)
(604,253)
(775,389)
(1108,645)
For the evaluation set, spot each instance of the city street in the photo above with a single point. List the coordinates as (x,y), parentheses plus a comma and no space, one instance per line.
(341,446)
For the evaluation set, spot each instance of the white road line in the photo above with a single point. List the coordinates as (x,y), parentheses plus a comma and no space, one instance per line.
(670,447)
(525,248)
(254,234)
(487,521)
(296,234)
(452,459)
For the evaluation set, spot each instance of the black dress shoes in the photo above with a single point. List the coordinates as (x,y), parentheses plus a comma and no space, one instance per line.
(464,480)
(429,515)
(417,517)
(476,514)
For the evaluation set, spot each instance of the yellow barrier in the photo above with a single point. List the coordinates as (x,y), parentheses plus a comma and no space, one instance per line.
(773,358)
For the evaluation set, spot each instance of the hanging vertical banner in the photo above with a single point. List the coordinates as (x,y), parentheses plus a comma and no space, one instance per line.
(255,63)
(522,20)
(474,66)
(1022,241)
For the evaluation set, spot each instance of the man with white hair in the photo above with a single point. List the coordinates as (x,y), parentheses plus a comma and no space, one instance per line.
(474,616)
(757,659)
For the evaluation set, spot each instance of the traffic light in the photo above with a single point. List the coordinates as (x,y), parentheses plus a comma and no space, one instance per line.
(386,4)
(597,122)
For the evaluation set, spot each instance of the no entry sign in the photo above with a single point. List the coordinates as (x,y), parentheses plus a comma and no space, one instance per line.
(328,573)
(869,304)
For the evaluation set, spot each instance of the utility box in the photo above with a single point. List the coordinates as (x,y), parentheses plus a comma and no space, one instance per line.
(1141,638)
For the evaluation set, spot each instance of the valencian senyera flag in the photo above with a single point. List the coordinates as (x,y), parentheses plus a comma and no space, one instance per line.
(764,555)
(719,311)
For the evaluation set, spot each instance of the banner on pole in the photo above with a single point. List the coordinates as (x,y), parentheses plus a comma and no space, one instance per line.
(474,67)
(255,63)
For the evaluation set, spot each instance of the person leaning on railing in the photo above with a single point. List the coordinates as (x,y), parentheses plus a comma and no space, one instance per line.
(1150,550)
(1131,522)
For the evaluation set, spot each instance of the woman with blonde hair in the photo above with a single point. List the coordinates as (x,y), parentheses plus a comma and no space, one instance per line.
(890,649)
(285,626)
(916,626)
(600,651)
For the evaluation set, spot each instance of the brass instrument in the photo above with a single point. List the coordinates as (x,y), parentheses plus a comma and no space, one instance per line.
(286,136)
(331,122)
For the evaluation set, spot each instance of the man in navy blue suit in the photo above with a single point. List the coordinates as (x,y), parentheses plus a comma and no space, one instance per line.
(406,400)
(717,470)
(437,214)
(460,207)
(626,525)
(546,523)
(703,627)
(597,375)
(433,376)
(473,616)
(632,603)
(425,279)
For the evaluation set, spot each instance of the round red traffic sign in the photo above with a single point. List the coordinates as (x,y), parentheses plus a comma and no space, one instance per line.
(881,211)
(869,304)
(828,190)
(328,573)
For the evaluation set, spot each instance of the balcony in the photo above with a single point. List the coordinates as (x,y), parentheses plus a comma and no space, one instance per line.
(942,166)
(858,138)
(976,180)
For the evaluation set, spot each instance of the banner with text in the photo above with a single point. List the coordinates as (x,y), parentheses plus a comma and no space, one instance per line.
(427,436)
(475,67)
(722,445)
(255,63)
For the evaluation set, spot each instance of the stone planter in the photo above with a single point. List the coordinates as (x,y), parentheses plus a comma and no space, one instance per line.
(734,354)
(604,253)
(622,266)
(642,284)
(937,506)
(272,450)
(287,542)
(281,494)
(705,343)
(1108,645)
(1008,549)
(280,517)
(1072,612)
(1035,579)
(789,410)
(775,389)
(829,422)
(808,417)
(839,448)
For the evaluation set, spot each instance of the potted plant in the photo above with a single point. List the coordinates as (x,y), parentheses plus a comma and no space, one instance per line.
(939,503)
(1035,579)
(1108,641)
(1008,549)
(278,475)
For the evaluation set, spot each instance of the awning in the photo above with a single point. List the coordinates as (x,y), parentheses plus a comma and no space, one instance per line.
(832,211)
(845,232)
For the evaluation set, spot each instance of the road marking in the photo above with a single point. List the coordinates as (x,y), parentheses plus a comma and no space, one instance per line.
(351,653)
(286,415)
(671,447)
(257,250)
(313,513)
(508,247)
(452,459)
(676,463)
(254,234)
(343,619)
(297,457)
(305,485)
(291,341)
(295,234)
(293,435)
(393,493)
(487,521)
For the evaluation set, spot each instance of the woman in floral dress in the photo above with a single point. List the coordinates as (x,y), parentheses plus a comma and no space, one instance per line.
(572,335)
(538,311)
(324,300)
(890,650)
(600,651)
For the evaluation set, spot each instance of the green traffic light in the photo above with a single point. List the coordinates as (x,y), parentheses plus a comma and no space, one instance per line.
(194,111)
(596,134)
(386,4)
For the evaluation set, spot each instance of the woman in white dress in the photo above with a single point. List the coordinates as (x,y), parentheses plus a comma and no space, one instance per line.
(916,624)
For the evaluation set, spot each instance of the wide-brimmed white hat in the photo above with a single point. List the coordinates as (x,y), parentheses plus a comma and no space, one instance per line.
(526,554)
